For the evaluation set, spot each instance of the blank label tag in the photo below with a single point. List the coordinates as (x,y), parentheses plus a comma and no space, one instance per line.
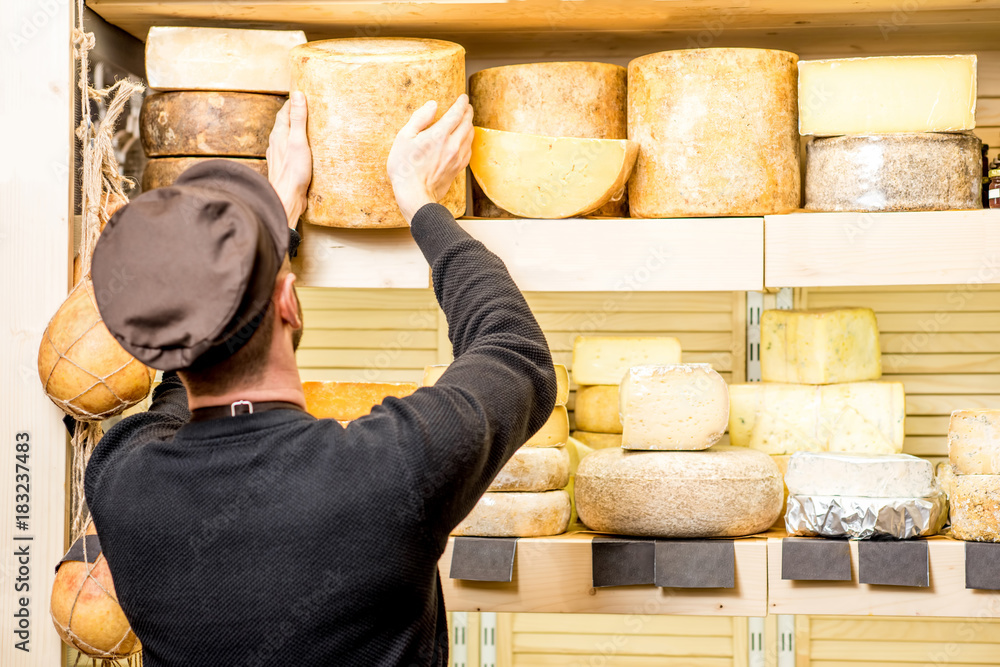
(902,563)
(982,566)
(621,562)
(695,564)
(483,558)
(815,559)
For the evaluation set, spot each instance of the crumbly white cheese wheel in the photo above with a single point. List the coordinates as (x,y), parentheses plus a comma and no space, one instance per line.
(569,99)
(534,469)
(719,492)
(596,409)
(857,417)
(208,123)
(180,58)
(975,508)
(160,172)
(554,432)
(820,346)
(517,515)
(974,442)
(887,94)
(675,407)
(894,172)
(433,373)
(604,359)
(360,93)
(717,132)
(598,440)
(872,475)
(345,401)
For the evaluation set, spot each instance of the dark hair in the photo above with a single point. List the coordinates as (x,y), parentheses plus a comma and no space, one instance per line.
(245,365)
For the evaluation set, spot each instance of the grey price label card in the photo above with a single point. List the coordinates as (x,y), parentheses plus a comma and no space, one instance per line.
(815,559)
(86,549)
(982,565)
(620,561)
(695,564)
(894,563)
(483,558)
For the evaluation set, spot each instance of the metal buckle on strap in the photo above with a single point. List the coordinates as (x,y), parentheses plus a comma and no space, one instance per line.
(249,405)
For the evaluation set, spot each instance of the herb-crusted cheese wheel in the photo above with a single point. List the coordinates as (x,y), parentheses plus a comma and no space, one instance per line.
(974,442)
(975,507)
(718,492)
(517,515)
(596,409)
(675,407)
(534,469)
(605,359)
(598,440)
(571,99)
(717,132)
(163,171)
(554,432)
(820,346)
(894,172)
(345,401)
(208,123)
(360,93)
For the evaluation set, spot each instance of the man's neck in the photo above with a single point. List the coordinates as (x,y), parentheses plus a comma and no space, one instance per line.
(277,384)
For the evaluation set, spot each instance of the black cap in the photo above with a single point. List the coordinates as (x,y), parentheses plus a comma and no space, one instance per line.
(184,274)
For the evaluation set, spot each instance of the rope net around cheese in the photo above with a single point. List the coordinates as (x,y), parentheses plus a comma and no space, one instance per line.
(163,171)
(360,93)
(718,133)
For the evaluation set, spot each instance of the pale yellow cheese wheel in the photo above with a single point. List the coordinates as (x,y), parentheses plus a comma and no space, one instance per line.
(554,432)
(534,469)
(596,409)
(717,130)
(518,515)
(563,99)
(360,93)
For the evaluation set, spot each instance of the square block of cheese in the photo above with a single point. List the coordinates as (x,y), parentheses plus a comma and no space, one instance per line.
(676,407)
(887,94)
(554,432)
(820,346)
(345,401)
(975,508)
(223,59)
(433,373)
(863,475)
(974,442)
(604,359)
(858,417)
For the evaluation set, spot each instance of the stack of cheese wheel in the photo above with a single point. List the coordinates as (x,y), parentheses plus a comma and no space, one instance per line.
(717,133)
(347,401)
(569,99)
(527,497)
(220,90)
(818,392)
(888,133)
(670,478)
(972,479)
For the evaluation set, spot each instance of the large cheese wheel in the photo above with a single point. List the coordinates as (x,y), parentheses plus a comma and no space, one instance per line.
(534,469)
(718,492)
(975,507)
(563,99)
(360,93)
(894,172)
(598,440)
(596,409)
(163,171)
(605,359)
(717,132)
(208,123)
(974,442)
(345,401)
(518,515)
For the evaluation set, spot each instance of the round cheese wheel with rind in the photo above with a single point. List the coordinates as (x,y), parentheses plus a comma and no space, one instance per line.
(517,515)
(894,172)
(598,440)
(208,123)
(585,100)
(596,409)
(360,93)
(534,469)
(975,507)
(717,130)
(718,492)
(163,171)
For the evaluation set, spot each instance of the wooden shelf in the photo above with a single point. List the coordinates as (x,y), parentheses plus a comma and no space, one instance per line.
(700,254)
(553,574)
(857,249)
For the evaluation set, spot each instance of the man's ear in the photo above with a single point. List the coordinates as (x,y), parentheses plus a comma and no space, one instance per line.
(285,301)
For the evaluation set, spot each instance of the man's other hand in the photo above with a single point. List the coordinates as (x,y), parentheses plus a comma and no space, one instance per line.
(289,160)
(425,159)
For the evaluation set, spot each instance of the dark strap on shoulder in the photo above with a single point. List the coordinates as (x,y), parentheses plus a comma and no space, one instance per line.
(240,408)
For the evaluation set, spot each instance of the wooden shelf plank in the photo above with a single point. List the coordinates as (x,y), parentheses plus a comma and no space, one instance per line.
(553,574)
(845,249)
(331,257)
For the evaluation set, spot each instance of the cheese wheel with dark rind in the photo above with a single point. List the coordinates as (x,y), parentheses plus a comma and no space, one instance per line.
(163,171)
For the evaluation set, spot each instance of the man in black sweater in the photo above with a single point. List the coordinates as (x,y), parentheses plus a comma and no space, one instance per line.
(242,531)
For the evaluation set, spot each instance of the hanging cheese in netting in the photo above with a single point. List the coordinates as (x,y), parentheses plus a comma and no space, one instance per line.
(84,605)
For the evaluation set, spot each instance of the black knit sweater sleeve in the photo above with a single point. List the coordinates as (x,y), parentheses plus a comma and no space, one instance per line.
(500,389)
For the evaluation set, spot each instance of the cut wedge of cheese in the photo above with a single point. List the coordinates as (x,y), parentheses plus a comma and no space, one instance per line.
(554,432)
(605,359)
(820,346)
(974,442)
(345,401)
(596,409)
(433,373)
(534,176)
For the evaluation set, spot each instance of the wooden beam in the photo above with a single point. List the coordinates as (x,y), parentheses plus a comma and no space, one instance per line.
(114,46)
